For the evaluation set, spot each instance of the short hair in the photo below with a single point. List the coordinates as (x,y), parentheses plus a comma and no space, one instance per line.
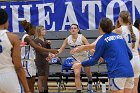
(3,16)
(106,25)
(77,27)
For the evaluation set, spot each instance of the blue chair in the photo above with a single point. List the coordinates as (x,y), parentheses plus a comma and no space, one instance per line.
(67,70)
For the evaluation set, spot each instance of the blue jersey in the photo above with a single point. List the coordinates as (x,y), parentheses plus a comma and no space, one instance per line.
(112,47)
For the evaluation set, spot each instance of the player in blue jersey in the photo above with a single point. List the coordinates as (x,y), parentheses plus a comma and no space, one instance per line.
(112,47)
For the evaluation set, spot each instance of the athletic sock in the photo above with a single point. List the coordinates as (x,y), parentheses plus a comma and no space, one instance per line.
(89,85)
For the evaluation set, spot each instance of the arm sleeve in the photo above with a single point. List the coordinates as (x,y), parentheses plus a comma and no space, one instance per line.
(99,50)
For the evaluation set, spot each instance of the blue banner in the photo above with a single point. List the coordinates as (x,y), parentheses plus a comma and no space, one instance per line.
(57,15)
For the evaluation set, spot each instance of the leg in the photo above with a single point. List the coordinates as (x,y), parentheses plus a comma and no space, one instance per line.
(129,85)
(45,84)
(89,75)
(117,91)
(77,78)
(29,80)
(135,89)
(139,87)
(33,83)
(40,83)
(128,90)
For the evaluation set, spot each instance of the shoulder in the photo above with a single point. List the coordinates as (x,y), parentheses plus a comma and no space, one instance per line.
(118,30)
(12,37)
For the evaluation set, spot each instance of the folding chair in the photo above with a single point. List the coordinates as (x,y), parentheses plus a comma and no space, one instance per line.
(67,70)
(55,71)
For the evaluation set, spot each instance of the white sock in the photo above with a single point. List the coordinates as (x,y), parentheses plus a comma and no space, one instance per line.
(89,86)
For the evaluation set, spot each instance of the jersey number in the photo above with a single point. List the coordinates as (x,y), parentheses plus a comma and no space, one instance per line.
(129,38)
(0,48)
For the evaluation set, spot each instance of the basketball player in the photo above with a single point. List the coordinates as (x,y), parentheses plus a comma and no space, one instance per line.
(137,25)
(132,38)
(10,61)
(73,41)
(27,53)
(117,55)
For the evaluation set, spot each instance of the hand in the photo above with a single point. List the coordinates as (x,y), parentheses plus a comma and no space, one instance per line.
(92,51)
(48,42)
(77,49)
(54,51)
(23,43)
(101,59)
(50,56)
(76,65)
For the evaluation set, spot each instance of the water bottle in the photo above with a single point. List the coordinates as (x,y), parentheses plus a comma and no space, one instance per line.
(103,88)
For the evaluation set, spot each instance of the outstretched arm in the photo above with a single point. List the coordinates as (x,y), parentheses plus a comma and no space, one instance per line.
(86,47)
(37,47)
(63,46)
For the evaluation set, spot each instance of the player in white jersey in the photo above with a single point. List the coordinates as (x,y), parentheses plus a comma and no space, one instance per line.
(132,38)
(27,52)
(137,25)
(74,40)
(10,64)
(28,57)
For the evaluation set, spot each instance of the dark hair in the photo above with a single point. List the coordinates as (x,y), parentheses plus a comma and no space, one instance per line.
(77,27)
(3,16)
(27,26)
(125,15)
(106,25)
(137,23)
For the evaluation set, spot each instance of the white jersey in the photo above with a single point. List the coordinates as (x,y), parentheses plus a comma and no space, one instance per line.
(27,52)
(81,56)
(127,36)
(5,51)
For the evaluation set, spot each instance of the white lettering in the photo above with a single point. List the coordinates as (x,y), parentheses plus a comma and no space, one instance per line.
(43,17)
(91,11)
(70,14)
(109,10)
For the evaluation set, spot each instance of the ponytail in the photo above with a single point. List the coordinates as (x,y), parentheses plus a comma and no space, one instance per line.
(133,37)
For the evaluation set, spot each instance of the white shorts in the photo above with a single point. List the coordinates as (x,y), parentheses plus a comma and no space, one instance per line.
(29,67)
(80,58)
(136,65)
(9,82)
(121,83)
